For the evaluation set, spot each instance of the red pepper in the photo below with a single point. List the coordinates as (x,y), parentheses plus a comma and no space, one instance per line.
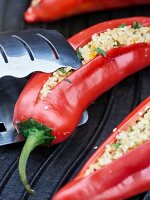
(121,179)
(49,10)
(52,120)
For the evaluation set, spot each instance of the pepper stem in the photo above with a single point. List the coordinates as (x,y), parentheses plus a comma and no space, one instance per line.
(36,134)
(30,144)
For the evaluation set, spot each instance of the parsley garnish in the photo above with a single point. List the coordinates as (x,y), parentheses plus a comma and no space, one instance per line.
(122,25)
(62,70)
(100,51)
(136,25)
(117,44)
(79,55)
(116,145)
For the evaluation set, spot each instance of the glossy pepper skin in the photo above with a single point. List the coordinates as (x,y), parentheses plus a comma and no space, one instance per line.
(121,179)
(61,110)
(49,10)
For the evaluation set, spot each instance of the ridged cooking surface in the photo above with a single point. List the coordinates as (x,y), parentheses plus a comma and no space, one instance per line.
(49,169)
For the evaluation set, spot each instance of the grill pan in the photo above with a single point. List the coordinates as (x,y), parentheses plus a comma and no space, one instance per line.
(49,169)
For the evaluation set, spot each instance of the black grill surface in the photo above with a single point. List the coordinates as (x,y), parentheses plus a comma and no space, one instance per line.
(49,169)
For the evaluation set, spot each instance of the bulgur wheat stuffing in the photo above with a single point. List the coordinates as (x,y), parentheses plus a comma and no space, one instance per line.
(57,76)
(120,36)
(100,44)
(135,135)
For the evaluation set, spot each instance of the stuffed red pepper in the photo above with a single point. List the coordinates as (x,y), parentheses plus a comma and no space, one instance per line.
(49,10)
(120,167)
(50,106)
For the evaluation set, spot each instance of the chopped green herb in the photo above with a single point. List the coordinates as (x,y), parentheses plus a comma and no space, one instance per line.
(62,70)
(122,25)
(131,128)
(100,51)
(116,145)
(117,44)
(79,55)
(137,121)
(136,25)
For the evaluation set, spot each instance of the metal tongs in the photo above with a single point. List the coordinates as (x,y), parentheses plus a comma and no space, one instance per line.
(35,50)
(22,53)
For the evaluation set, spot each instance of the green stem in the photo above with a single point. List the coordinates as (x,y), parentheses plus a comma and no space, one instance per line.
(30,144)
(36,134)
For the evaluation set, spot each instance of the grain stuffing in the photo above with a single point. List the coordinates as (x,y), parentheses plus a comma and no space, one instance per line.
(120,36)
(57,76)
(126,140)
(100,44)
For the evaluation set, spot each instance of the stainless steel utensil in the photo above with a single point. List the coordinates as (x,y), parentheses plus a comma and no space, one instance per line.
(22,53)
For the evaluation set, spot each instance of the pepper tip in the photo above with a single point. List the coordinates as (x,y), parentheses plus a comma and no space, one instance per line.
(30,16)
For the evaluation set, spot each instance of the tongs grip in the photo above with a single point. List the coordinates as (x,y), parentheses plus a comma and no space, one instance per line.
(24,52)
